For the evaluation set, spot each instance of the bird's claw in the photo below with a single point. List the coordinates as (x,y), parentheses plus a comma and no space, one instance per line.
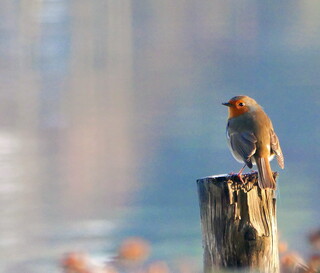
(241,179)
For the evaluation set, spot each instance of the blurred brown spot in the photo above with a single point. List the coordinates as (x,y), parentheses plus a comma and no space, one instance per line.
(158,267)
(314,263)
(134,249)
(75,262)
(314,239)
(283,247)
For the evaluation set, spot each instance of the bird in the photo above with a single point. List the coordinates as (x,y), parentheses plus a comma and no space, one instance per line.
(252,140)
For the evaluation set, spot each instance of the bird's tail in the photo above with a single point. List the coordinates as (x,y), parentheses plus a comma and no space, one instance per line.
(265,179)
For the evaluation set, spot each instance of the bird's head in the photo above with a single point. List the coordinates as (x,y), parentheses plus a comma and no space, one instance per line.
(239,105)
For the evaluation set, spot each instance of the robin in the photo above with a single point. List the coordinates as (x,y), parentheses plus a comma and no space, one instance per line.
(252,139)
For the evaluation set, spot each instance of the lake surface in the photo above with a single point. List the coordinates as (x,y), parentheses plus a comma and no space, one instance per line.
(110,111)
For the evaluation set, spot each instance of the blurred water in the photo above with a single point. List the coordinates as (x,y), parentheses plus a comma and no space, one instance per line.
(110,110)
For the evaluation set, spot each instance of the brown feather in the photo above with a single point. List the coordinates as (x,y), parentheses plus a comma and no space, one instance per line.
(265,178)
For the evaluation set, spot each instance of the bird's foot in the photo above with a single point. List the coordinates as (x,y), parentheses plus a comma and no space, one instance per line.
(241,179)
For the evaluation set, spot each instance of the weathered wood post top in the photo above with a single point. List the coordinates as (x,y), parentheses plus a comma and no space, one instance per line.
(239,227)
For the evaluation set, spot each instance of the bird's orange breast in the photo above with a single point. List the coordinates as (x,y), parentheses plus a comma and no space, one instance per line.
(235,111)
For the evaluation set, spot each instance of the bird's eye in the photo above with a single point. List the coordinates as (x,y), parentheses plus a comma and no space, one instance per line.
(241,104)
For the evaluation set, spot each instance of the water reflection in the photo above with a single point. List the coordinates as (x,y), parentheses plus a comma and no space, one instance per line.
(110,110)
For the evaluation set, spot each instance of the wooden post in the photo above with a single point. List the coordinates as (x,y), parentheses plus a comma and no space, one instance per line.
(239,225)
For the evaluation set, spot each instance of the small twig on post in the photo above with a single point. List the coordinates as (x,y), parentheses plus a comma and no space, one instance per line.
(239,227)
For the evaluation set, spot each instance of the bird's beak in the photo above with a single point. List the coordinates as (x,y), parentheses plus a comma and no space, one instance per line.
(227,104)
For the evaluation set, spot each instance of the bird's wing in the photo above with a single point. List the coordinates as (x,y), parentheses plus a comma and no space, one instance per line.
(275,147)
(244,144)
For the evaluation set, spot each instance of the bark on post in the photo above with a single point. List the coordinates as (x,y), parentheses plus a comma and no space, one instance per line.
(239,225)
